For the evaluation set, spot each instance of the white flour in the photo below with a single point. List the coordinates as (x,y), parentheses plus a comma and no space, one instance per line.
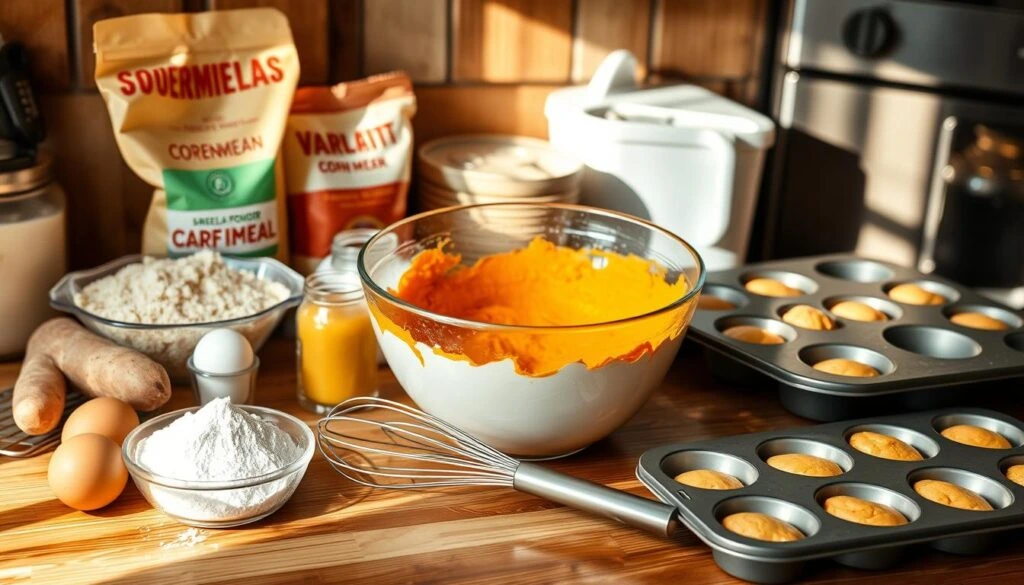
(194,289)
(219,442)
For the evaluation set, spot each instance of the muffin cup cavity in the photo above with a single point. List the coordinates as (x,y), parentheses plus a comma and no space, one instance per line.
(799,517)
(818,353)
(1008,462)
(889,308)
(726,293)
(871,493)
(683,461)
(783,330)
(790,279)
(949,293)
(1016,341)
(805,447)
(1012,433)
(855,270)
(925,445)
(933,342)
(998,496)
(1011,320)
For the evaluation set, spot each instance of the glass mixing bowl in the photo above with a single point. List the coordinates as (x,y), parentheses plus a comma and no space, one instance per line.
(535,416)
(172,345)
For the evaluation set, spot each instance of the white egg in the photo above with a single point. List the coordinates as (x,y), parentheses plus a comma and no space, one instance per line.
(222,351)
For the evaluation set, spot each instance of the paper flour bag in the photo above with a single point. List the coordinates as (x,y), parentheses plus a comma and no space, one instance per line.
(347,152)
(199,104)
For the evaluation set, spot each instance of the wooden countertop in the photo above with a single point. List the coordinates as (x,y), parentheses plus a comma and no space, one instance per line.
(333,531)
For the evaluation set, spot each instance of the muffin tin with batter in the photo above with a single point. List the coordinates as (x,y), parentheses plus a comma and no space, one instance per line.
(799,500)
(922,357)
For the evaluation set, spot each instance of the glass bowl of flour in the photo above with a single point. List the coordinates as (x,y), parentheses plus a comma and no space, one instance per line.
(162,307)
(219,465)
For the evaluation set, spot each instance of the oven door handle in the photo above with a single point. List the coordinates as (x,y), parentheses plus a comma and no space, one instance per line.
(936,196)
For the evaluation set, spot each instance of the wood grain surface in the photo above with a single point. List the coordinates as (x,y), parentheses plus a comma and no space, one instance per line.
(42,27)
(603,26)
(335,532)
(469,109)
(411,35)
(512,40)
(698,38)
(309,24)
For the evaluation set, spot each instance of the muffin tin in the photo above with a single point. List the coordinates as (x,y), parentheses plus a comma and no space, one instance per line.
(924,359)
(798,499)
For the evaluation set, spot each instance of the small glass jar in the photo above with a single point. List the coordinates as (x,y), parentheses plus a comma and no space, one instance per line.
(336,348)
(33,253)
(345,249)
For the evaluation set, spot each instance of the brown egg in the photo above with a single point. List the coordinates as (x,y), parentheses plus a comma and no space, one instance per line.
(913,294)
(808,317)
(86,472)
(857,311)
(751,334)
(845,367)
(769,287)
(710,303)
(979,321)
(104,416)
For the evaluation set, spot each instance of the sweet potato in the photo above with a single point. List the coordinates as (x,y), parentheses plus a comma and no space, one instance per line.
(98,367)
(38,400)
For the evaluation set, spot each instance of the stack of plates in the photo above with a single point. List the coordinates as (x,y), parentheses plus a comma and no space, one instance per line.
(487,168)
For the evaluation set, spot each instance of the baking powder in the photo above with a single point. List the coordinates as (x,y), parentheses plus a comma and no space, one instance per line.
(219,442)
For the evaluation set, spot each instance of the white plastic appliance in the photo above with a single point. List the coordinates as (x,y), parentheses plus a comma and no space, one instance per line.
(680,156)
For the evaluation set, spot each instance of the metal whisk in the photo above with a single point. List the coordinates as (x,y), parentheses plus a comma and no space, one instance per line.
(385,444)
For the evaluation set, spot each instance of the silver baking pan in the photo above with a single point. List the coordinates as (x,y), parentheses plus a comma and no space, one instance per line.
(924,359)
(798,499)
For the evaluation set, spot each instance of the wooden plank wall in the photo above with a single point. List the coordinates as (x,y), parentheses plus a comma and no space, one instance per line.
(479,65)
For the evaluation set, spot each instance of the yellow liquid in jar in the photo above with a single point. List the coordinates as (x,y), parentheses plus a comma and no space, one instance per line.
(337,352)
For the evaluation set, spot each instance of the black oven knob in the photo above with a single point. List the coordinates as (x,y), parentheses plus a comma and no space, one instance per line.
(869,32)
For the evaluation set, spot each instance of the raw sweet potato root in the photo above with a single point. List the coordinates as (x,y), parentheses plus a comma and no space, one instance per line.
(95,366)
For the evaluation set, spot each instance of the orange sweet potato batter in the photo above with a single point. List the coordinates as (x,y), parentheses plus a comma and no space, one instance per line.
(540,285)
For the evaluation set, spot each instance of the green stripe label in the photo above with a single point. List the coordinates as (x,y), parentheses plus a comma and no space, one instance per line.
(237,186)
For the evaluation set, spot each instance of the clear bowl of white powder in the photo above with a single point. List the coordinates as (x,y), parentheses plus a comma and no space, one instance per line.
(220,465)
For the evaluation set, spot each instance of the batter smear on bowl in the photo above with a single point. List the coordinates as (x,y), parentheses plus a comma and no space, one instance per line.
(541,285)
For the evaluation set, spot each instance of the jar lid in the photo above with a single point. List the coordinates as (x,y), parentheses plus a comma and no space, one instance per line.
(493,164)
(334,287)
(28,178)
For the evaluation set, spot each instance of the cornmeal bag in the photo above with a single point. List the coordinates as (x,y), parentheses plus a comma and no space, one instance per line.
(199,104)
(347,152)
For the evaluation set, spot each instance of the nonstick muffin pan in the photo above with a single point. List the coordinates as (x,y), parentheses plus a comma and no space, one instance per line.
(798,499)
(924,359)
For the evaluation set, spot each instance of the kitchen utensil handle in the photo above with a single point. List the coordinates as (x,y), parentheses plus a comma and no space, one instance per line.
(656,517)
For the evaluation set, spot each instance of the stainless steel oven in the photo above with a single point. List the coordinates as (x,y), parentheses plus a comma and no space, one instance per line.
(902,137)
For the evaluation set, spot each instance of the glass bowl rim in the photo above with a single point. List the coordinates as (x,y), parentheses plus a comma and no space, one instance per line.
(485,326)
(137,470)
(110,268)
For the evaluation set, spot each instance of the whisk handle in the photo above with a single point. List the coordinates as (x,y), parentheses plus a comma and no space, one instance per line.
(656,517)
